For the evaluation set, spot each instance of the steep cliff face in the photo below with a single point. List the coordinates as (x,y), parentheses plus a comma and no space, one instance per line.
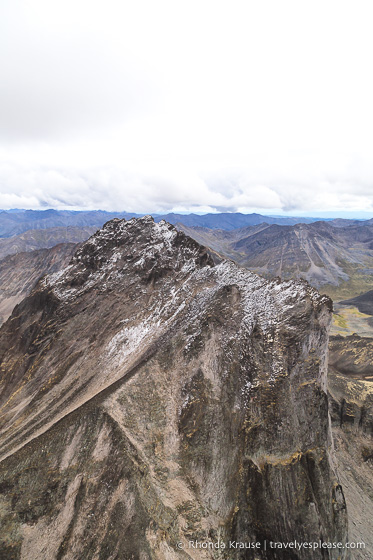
(351,406)
(150,398)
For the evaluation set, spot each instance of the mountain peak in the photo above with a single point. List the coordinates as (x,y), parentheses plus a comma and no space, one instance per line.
(144,385)
(139,246)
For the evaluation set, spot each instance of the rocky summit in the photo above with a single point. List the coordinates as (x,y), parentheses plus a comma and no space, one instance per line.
(159,404)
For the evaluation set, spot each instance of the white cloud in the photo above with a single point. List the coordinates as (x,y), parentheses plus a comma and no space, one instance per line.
(163,105)
(156,190)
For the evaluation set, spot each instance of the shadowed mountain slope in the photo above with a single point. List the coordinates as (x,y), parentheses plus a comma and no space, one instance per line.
(340,258)
(43,239)
(364,302)
(19,273)
(150,397)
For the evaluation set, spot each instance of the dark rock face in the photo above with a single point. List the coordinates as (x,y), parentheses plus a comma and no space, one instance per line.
(351,406)
(150,397)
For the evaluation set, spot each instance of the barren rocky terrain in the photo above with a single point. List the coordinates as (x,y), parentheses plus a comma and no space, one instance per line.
(336,260)
(34,239)
(351,395)
(151,395)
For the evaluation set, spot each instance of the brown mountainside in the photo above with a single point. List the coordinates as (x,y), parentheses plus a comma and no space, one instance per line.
(43,239)
(19,273)
(350,381)
(336,259)
(150,397)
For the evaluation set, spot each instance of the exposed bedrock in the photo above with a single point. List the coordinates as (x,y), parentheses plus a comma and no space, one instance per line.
(150,397)
(351,406)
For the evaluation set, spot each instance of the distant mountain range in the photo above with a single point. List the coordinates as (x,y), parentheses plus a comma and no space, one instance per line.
(335,256)
(229,221)
(15,222)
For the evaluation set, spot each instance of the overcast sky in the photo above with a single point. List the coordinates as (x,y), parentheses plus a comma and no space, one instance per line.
(208,105)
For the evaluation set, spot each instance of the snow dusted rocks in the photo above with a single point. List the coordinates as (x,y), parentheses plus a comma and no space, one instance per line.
(152,395)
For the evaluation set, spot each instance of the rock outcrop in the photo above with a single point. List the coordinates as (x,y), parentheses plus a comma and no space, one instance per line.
(151,398)
(351,406)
